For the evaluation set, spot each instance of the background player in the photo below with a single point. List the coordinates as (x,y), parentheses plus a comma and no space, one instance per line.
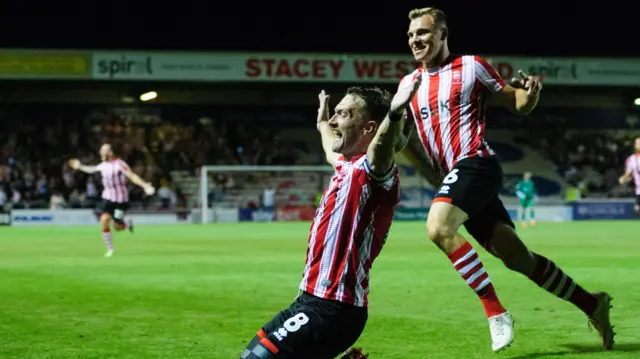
(526,192)
(632,170)
(348,232)
(115,195)
(449,112)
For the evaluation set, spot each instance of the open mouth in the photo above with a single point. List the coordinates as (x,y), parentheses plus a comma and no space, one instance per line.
(337,134)
(418,48)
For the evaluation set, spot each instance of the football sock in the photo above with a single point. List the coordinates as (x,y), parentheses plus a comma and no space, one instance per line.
(551,278)
(466,261)
(106,237)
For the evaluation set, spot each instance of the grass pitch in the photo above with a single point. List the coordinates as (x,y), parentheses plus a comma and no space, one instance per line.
(198,291)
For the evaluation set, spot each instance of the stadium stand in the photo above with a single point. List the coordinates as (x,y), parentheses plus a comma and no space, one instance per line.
(168,146)
(36,143)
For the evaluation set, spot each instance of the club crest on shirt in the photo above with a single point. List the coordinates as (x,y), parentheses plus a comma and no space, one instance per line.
(456,77)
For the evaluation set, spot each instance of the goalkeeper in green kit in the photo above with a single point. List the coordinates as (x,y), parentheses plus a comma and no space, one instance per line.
(526,192)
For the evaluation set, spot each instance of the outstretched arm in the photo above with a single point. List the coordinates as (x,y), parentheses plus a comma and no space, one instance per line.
(520,96)
(382,150)
(135,179)
(76,165)
(326,133)
(517,100)
(625,178)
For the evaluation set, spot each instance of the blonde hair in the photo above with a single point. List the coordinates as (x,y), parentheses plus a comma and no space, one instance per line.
(438,15)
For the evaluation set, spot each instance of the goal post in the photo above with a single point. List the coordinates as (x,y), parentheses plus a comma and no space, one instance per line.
(294,184)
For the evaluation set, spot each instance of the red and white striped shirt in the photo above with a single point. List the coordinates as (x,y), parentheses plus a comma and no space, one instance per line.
(114,180)
(633,167)
(449,108)
(349,230)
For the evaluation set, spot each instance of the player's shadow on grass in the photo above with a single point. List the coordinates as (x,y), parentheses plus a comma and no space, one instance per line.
(573,349)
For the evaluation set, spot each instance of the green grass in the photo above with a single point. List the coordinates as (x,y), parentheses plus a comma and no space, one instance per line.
(202,292)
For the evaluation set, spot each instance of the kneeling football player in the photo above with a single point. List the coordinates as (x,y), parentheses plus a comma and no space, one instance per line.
(348,232)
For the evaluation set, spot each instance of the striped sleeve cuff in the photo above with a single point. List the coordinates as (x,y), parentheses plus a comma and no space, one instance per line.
(380,178)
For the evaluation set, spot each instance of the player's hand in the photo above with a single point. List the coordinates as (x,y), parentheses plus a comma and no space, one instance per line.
(533,84)
(323,107)
(403,97)
(74,163)
(622,180)
(149,190)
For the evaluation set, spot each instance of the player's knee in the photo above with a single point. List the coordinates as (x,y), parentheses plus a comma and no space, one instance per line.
(443,222)
(439,232)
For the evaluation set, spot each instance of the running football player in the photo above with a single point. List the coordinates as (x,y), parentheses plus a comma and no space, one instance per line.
(632,170)
(115,196)
(449,111)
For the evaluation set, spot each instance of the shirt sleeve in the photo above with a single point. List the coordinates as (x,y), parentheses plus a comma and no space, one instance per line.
(385,180)
(487,75)
(629,164)
(123,166)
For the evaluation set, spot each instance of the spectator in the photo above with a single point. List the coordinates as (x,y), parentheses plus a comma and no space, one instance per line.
(166,195)
(3,198)
(57,201)
(268,197)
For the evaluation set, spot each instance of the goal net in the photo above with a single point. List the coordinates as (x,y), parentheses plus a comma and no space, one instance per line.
(260,193)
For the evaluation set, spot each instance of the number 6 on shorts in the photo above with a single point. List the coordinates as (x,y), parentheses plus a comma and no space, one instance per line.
(452,177)
(294,323)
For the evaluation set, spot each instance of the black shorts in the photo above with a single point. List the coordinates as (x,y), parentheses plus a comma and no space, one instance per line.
(314,328)
(473,186)
(115,209)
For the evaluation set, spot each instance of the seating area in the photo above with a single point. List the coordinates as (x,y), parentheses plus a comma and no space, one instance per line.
(36,143)
(168,145)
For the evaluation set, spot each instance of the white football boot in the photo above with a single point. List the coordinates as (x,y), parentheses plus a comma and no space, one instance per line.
(501,327)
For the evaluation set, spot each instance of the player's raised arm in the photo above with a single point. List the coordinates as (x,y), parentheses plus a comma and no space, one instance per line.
(135,179)
(382,150)
(75,164)
(520,96)
(326,132)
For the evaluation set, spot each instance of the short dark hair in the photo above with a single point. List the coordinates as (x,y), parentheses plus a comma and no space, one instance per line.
(377,101)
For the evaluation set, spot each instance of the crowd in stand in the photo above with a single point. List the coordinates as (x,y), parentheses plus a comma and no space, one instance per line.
(34,149)
(35,145)
(587,158)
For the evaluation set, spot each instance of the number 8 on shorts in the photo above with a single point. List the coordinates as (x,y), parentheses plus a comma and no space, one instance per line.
(294,323)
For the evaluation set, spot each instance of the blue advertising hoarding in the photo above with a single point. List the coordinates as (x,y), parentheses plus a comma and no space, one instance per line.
(585,210)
